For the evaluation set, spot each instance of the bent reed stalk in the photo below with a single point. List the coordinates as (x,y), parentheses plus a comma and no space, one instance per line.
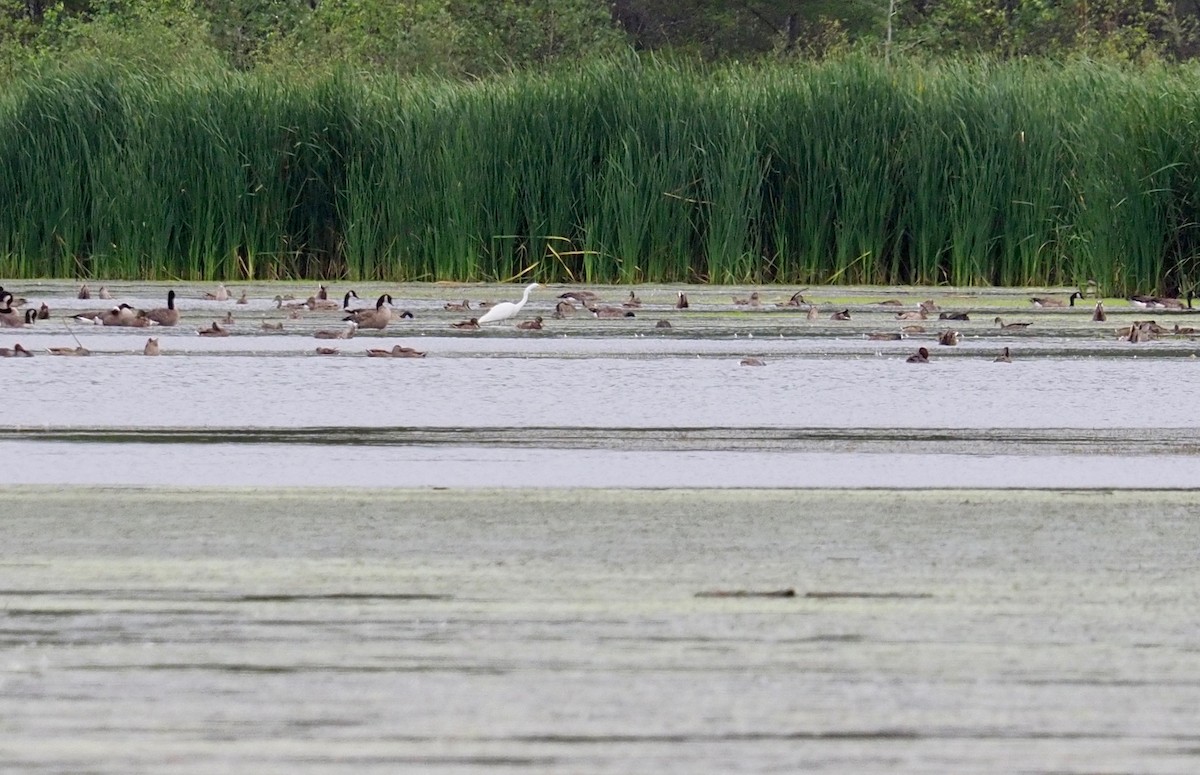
(847,171)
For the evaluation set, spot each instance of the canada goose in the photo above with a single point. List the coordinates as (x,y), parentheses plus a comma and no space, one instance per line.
(77,351)
(954,316)
(843,315)
(1009,326)
(752,362)
(327,351)
(213,330)
(1098,314)
(125,316)
(350,294)
(663,324)
(507,309)
(115,316)
(17,351)
(10,318)
(813,312)
(13,301)
(884,336)
(583,297)
(921,356)
(564,309)
(344,333)
(610,312)
(84,292)
(396,352)
(450,306)
(1170,303)
(165,316)
(376,318)
(1162,302)
(151,347)
(531,325)
(272,326)
(918,315)
(120,315)
(1003,357)
(949,338)
(467,325)
(752,301)
(242,299)
(633,301)
(681,302)
(1046,301)
(220,294)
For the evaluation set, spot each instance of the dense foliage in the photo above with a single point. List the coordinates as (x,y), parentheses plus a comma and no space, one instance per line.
(472,38)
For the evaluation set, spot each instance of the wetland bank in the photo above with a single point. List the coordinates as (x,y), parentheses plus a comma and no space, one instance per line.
(242,556)
(544,551)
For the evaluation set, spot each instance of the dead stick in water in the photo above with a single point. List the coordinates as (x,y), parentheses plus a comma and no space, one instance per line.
(72,333)
(747,593)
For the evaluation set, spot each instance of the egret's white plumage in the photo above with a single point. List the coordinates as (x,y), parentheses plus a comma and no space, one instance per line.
(506,309)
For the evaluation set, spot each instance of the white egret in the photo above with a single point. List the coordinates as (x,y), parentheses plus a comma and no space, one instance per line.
(506,309)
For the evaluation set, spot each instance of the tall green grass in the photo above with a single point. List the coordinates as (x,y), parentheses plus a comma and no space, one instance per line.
(846,171)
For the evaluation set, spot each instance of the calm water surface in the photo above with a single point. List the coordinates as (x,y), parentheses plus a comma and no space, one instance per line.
(588,402)
(207,565)
(560,631)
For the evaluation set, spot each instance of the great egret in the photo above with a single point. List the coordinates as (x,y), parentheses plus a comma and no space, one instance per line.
(506,309)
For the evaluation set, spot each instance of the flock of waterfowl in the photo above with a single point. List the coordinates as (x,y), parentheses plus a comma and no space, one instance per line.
(910,318)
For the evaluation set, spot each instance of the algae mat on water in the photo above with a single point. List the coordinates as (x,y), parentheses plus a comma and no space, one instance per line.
(150,631)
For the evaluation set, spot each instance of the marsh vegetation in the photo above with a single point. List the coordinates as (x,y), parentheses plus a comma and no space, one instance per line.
(841,172)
